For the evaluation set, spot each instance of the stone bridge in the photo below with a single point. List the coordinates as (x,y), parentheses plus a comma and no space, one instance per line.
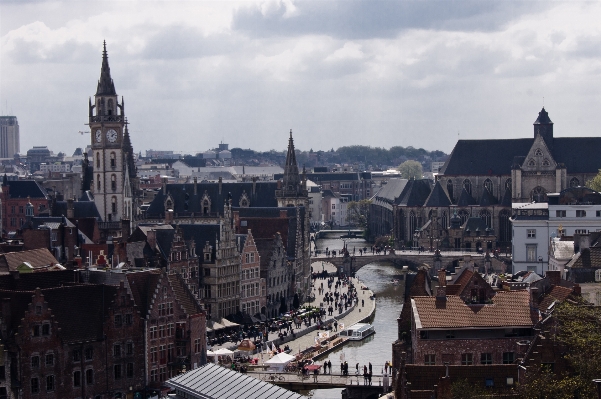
(412,259)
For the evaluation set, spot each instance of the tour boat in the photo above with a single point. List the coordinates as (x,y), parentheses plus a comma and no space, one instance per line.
(358,331)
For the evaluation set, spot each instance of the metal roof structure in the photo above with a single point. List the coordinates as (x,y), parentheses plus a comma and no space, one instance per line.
(215,382)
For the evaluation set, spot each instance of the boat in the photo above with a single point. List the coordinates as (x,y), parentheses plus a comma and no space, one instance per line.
(358,331)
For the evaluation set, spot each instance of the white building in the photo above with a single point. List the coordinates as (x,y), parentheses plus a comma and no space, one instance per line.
(575,210)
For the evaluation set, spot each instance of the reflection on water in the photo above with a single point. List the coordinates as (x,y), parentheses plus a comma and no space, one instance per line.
(377,348)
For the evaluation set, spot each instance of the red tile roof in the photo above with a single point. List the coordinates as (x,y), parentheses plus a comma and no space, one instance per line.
(508,309)
(37,258)
(557,293)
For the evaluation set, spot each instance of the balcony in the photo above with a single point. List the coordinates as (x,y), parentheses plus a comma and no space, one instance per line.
(106,118)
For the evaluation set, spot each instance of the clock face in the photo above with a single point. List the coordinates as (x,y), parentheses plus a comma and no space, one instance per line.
(98,136)
(111,136)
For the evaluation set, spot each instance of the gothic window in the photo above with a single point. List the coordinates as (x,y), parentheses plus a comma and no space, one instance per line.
(114,182)
(574,182)
(412,223)
(113,160)
(98,160)
(538,152)
(488,185)
(450,188)
(464,215)
(546,162)
(486,216)
(110,107)
(114,204)
(205,204)
(531,162)
(444,220)
(98,182)
(504,226)
(244,201)
(538,195)
(467,184)
(508,184)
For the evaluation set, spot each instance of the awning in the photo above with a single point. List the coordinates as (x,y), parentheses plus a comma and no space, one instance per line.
(227,323)
(214,326)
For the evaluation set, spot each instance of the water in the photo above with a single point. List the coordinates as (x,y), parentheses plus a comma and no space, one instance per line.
(376,349)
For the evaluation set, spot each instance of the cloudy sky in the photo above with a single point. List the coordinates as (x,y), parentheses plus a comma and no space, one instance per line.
(375,72)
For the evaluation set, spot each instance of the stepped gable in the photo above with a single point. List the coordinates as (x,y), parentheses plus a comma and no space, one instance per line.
(18,303)
(183,295)
(465,199)
(185,202)
(31,281)
(487,199)
(89,303)
(506,200)
(508,308)
(438,197)
(415,193)
(142,286)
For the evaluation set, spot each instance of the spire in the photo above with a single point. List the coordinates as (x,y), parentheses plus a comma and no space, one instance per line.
(106,87)
(129,151)
(291,176)
(543,118)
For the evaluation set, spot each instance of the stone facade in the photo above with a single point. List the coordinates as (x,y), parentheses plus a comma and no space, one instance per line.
(253,287)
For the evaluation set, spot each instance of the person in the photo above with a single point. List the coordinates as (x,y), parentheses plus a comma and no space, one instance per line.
(386,367)
(357,369)
(369,378)
(330,366)
(335,325)
(364,376)
(370,369)
(315,373)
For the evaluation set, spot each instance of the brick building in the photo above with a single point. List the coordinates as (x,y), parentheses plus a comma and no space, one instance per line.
(252,286)
(16,195)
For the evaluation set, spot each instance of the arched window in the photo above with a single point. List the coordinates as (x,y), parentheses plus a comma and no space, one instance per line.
(531,162)
(538,195)
(98,182)
(109,110)
(412,223)
(114,182)
(574,182)
(450,188)
(487,217)
(98,160)
(546,162)
(464,215)
(488,185)
(538,152)
(444,220)
(113,160)
(113,204)
(504,226)
(467,184)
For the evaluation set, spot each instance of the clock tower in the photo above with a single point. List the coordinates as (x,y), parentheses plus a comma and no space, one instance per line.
(108,127)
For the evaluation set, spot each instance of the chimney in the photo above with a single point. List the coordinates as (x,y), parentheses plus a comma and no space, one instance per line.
(195,186)
(70,210)
(554,277)
(441,290)
(151,238)
(533,295)
(220,183)
(164,186)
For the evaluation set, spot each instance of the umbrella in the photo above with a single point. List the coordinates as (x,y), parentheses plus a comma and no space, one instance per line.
(246,345)
(210,353)
(224,352)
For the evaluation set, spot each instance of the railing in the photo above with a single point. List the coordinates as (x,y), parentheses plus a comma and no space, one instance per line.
(320,379)
(109,225)
(106,118)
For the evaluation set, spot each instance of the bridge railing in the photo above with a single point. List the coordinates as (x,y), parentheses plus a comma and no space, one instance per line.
(335,379)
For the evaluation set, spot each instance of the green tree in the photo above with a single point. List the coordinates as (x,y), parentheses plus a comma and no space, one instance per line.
(595,182)
(357,213)
(411,170)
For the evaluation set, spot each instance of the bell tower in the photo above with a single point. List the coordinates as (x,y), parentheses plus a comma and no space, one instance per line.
(107,127)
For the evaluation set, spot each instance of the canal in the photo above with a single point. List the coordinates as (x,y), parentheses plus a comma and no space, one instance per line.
(376,349)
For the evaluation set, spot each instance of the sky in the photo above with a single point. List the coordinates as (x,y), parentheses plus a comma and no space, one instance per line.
(381,73)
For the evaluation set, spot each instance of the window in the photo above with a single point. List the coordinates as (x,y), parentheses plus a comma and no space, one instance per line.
(89,376)
(598,275)
(467,185)
(333,206)
(153,354)
(50,383)
(430,360)
(118,320)
(98,180)
(486,358)
(154,375)
(77,378)
(113,160)
(488,185)
(580,231)
(89,353)
(114,205)
(114,182)
(153,330)
(450,334)
(598,214)
(574,182)
(130,370)
(35,331)
(560,214)
(170,329)
(197,345)
(580,213)
(129,348)
(129,319)
(76,355)
(35,385)
(38,309)
(117,371)
(116,350)
(531,253)
(49,359)
(35,361)
(467,359)
(531,233)
(508,357)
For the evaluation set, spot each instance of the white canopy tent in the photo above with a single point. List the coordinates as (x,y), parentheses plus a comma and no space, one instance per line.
(279,361)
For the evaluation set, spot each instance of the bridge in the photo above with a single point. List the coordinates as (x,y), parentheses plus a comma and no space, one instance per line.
(348,233)
(413,259)
(355,386)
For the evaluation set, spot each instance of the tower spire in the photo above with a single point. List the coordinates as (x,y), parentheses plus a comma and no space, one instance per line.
(106,86)
(291,176)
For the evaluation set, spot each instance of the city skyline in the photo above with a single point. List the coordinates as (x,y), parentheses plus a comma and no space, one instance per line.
(382,74)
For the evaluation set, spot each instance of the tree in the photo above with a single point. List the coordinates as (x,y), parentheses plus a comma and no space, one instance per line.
(357,213)
(595,182)
(411,170)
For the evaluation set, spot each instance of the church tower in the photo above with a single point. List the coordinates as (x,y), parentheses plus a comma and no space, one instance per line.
(107,128)
(543,126)
(293,190)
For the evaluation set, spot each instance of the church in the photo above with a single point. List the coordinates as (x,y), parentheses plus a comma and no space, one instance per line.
(482,179)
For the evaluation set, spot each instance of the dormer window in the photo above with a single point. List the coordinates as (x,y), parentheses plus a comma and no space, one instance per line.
(538,152)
